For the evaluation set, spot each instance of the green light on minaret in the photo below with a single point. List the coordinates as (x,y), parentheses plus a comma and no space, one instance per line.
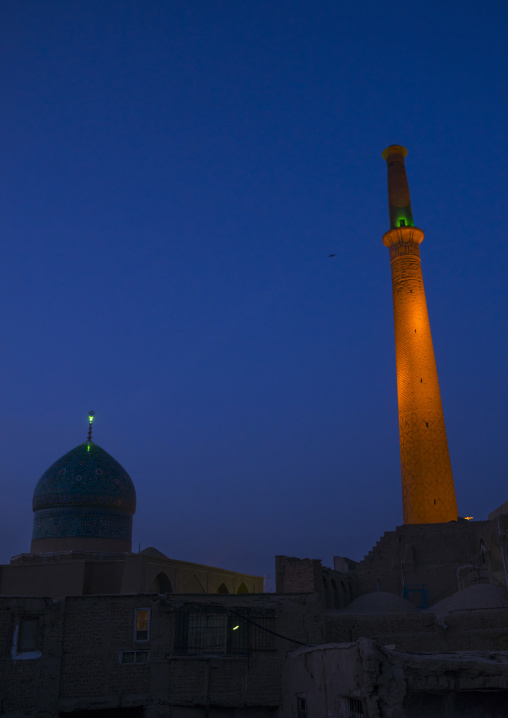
(399,201)
(404,220)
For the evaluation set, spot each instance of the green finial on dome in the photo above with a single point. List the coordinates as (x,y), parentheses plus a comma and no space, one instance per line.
(91,415)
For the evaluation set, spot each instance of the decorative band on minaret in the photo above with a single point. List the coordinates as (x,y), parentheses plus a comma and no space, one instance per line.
(428,493)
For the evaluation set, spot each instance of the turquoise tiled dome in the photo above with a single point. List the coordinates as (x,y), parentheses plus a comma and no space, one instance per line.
(86,493)
(86,475)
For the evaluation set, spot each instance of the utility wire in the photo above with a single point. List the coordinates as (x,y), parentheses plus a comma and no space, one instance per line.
(268,630)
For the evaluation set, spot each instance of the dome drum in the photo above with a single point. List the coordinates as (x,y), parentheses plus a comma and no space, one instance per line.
(83,522)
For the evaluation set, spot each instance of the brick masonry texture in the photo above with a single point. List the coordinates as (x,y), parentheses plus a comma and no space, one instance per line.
(79,668)
(428,493)
(82,638)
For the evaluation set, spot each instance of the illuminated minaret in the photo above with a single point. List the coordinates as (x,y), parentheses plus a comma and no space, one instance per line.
(428,494)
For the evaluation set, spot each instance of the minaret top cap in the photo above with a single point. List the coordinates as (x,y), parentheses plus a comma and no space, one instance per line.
(399,200)
(394,150)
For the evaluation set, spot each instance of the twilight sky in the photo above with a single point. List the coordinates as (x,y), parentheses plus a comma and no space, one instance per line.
(175,174)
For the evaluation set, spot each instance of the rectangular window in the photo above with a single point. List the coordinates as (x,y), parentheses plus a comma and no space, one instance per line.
(207,633)
(28,634)
(142,624)
(127,656)
(239,632)
(212,630)
(26,637)
(263,623)
(301,707)
(131,657)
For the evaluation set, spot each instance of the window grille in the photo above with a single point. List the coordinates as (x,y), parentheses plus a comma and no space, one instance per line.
(261,639)
(355,708)
(239,632)
(207,633)
(200,630)
(211,630)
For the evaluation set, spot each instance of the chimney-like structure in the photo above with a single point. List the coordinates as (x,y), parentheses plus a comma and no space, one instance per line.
(428,493)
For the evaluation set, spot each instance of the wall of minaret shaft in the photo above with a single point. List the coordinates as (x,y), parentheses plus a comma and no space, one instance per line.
(428,493)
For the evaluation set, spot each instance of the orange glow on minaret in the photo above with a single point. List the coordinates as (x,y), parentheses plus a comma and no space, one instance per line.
(428,493)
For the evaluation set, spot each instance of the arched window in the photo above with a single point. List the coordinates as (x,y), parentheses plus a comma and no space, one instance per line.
(242,588)
(223,588)
(160,584)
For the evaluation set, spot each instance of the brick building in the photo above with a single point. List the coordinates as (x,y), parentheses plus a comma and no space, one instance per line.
(256,655)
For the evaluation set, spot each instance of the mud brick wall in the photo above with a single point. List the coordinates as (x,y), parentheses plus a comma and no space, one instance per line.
(297,575)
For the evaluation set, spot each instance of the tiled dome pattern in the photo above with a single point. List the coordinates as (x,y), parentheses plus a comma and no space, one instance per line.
(85,493)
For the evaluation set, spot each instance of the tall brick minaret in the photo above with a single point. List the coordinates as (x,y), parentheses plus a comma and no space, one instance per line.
(428,494)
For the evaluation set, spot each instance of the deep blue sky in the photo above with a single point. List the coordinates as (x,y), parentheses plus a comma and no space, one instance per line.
(174,175)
